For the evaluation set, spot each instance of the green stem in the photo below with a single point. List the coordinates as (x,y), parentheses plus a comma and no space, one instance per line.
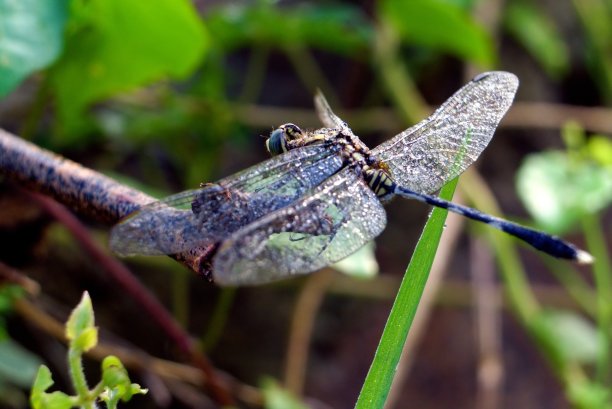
(576,286)
(77,376)
(218,319)
(256,72)
(398,84)
(98,389)
(601,268)
(307,69)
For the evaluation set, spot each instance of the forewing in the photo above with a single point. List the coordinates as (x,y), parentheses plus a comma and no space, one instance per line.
(424,157)
(202,216)
(323,227)
(325,113)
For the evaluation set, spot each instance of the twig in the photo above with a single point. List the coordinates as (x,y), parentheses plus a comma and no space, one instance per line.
(488,324)
(10,275)
(302,323)
(79,188)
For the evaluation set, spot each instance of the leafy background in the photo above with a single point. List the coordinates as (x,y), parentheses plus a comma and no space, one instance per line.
(166,94)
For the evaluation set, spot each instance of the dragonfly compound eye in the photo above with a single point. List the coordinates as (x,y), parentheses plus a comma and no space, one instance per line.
(277,142)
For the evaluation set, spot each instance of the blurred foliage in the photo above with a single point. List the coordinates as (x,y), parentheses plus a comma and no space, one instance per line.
(152,92)
(595,16)
(559,191)
(534,29)
(108,51)
(305,25)
(419,21)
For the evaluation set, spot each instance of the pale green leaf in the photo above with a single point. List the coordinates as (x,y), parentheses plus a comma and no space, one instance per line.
(117,45)
(81,318)
(361,264)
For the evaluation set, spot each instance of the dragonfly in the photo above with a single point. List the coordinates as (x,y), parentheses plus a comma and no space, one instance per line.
(320,197)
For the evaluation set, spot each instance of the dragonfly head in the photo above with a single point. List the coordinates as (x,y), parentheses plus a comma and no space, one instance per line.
(277,142)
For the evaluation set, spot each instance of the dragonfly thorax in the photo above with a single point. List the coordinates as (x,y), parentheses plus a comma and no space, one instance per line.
(353,151)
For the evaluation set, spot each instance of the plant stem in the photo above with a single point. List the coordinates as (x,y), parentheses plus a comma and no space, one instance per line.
(78,377)
(380,376)
(601,269)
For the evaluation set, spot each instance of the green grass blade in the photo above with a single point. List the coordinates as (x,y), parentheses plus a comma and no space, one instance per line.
(380,376)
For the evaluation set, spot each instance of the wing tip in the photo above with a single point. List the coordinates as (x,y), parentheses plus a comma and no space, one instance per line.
(505,77)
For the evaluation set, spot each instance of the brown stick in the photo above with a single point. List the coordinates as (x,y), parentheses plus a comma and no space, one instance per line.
(81,189)
(84,190)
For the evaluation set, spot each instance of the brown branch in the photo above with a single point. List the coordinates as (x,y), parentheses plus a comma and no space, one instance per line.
(542,115)
(81,189)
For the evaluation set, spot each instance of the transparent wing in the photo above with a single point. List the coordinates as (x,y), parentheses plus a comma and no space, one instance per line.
(424,157)
(325,226)
(202,216)
(325,113)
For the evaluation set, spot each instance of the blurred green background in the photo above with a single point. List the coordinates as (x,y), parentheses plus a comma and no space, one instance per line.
(166,94)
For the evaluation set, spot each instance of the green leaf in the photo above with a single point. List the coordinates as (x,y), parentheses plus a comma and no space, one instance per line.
(558,190)
(43,380)
(114,46)
(361,264)
(380,376)
(81,319)
(41,400)
(56,400)
(439,25)
(13,355)
(276,397)
(536,32)
(31,38)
